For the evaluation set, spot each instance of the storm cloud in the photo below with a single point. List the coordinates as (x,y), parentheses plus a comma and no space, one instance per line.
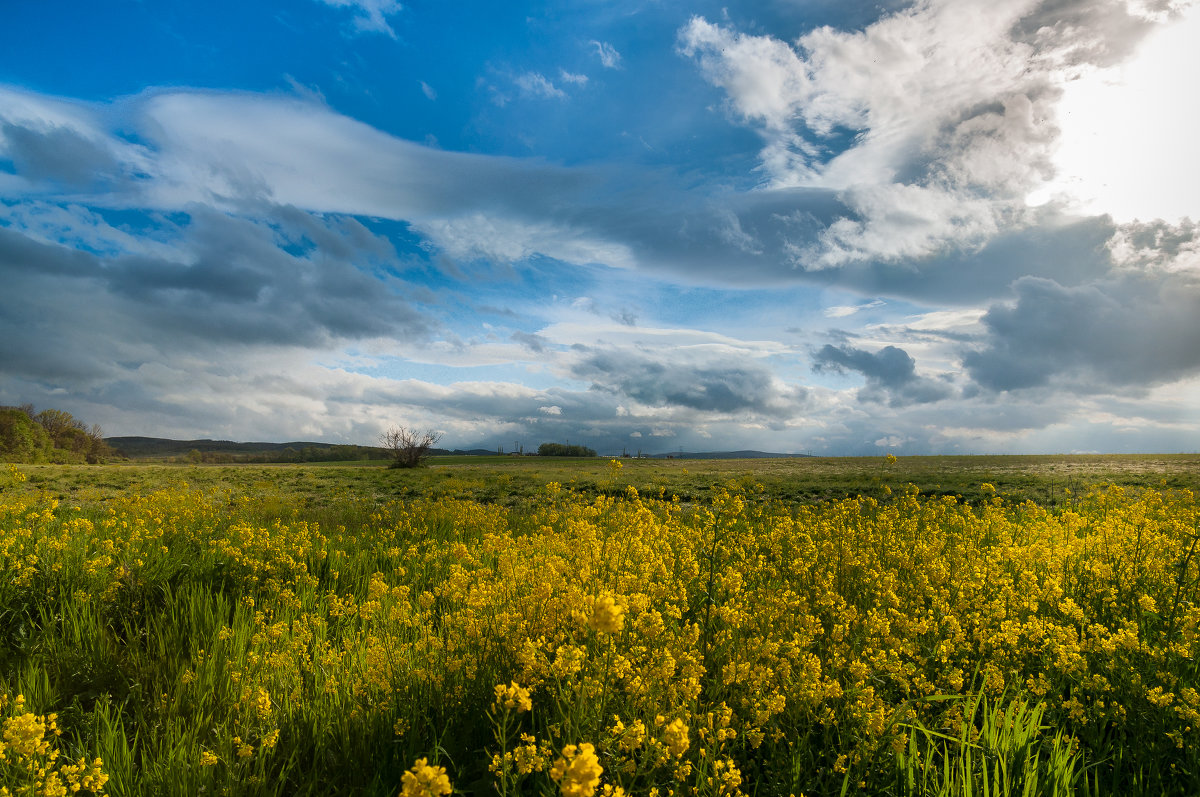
(891,374)
(1127,333)
(715,385)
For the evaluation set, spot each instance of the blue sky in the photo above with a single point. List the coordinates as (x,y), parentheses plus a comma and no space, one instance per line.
(804,227)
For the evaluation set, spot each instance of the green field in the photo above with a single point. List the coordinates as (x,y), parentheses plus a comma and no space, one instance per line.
(497,625)
(510,480)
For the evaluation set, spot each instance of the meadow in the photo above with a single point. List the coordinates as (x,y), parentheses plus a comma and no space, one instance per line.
(992,625)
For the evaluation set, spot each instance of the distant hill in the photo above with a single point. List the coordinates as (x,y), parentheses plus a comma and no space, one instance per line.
(138,447)
(229,451)
(308,451)
(725,455)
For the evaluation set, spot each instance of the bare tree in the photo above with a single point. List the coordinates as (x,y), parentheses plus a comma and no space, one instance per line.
(408,446)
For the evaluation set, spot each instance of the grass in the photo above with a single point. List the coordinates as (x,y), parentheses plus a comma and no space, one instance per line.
(512,480)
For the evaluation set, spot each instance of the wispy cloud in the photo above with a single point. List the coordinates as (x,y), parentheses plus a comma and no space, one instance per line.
(535,84)
(847,310)
(609,57)
(371,15)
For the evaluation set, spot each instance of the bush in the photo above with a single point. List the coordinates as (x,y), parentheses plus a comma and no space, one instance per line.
(408,447)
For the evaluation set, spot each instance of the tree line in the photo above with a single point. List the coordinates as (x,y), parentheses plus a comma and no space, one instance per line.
(562,450)
(29,436)
(331,453)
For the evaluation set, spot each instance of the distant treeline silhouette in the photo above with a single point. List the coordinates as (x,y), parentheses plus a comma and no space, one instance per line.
(333,453)
(560,450)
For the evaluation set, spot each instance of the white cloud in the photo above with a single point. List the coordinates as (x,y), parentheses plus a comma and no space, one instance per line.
(535,84)
(480,236)
(371,16)
(229,150)
(609,57)
(428,91)
(844,310)
(569,77)
(948,106)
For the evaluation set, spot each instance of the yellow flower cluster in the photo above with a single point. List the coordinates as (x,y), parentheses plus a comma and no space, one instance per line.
(512,698)
(675,737)
(31,762)
(607,615)
(577,771)
(425,780)
(693,645)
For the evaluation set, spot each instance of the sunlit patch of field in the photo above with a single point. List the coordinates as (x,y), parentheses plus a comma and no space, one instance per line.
(512,480)
(602,627)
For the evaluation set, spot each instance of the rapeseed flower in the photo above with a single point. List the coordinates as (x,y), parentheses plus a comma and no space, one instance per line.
(513,697)
(425,780)
(607,615)
(578,771)
(675,737)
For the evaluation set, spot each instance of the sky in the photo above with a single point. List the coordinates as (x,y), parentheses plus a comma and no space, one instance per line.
(805,226)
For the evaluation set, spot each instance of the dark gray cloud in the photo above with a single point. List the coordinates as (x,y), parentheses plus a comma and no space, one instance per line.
(59,155)
(720,385)
(68,314)
(891,374)
(535,343)
(1132,332)
(1070,250)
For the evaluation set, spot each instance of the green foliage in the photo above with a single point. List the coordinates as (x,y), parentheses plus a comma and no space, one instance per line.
(1001,746)
(49,436)
(22,439)
(560,450)
(290,454)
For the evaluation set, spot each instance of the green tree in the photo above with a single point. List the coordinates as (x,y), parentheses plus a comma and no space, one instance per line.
(22,439)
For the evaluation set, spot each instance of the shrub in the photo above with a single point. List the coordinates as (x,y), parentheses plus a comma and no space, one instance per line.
(408,447)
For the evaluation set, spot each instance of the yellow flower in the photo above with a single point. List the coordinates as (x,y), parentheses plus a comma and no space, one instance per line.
(607,615)
(513,697)
(262,704)
(424,780)
(675,737)
(24,734)
(208,759)
(578,771)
